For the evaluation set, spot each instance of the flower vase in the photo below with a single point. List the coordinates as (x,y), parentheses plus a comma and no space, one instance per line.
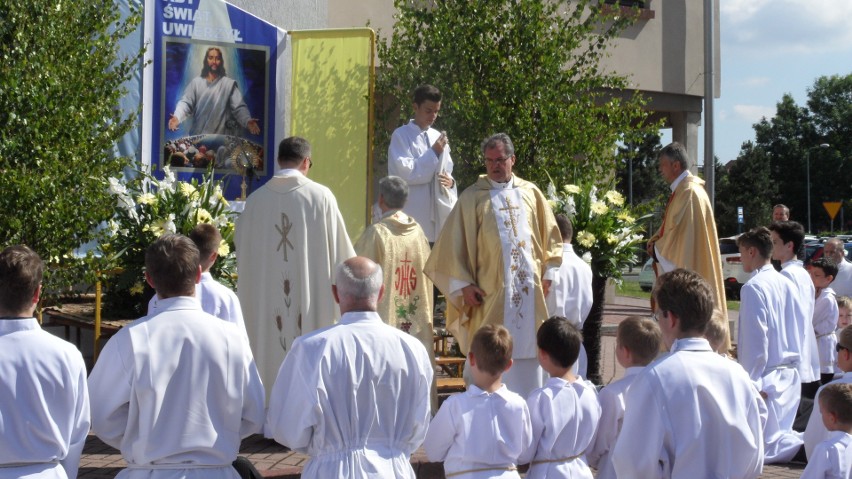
(592,330)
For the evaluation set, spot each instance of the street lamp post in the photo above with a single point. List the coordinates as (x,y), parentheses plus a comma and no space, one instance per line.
(808,163)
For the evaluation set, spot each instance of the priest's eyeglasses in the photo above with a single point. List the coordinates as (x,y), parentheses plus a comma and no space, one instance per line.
(658,314)
(838,347)
(498,161)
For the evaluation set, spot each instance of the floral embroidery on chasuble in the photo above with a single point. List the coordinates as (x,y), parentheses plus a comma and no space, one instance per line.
(518,275)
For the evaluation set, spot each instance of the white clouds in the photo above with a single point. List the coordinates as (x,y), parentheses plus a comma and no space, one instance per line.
(754,113)
(755,81)
(783,26)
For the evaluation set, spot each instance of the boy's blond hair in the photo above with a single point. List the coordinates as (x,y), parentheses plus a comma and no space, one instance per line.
(844,302)
(492,349)
(641,336)
(836,398)
(717,330)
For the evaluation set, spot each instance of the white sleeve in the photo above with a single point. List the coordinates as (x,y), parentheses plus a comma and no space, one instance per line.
(639,450)
(442,433)
(607,432)
(815,431)
(254,397)
(414,170)
(753,345)
(294,411)
(80,424)
(537,427)
(110,392)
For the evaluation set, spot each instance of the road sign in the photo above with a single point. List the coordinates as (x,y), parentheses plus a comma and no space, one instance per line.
(832,207)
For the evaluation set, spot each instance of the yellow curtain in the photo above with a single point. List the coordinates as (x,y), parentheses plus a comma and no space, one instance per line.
(331,107)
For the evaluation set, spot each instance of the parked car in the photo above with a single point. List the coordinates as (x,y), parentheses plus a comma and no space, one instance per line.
(646,275)
(733,274)
(814,251)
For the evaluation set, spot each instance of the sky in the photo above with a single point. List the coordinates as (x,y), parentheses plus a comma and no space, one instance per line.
(769,48)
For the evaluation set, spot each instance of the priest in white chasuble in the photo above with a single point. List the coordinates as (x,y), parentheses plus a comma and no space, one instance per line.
(289,240)
(495,258)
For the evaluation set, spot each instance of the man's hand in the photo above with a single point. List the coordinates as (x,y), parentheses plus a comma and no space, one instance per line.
(173,123)
(649,248)
(473,295)
(545,285)
(446,180)
(439,144)
(253,127)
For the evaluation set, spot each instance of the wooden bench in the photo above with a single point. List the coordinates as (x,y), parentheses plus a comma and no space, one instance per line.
(452,366)
(450,385)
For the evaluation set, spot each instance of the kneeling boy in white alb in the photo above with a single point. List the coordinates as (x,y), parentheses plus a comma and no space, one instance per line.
(637,342)
(832,458)
(565,412)
(482,432)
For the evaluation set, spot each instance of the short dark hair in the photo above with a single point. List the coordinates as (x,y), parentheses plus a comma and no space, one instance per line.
(491,142)
(676,153)
(688,295)
(757,238)
(560,339)
(206,238)
(394,190)
(836,398)
(293,149)
(426,92)
(21,272)
(492,349)
(641,336)
(172,263)
(566,229)
(827,265)
(789,231)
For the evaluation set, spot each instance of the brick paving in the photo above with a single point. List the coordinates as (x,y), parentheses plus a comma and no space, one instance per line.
(100,461)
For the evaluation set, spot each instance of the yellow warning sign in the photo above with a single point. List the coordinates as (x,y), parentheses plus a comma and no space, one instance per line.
(832,207)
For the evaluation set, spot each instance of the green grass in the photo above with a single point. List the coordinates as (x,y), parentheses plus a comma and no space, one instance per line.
(631,289)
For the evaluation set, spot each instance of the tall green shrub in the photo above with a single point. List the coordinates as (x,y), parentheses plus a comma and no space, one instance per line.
(61,79)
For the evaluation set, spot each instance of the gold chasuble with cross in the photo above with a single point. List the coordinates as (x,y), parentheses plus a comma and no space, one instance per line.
(502,240)
(289,240)
(399,246)
(687,238)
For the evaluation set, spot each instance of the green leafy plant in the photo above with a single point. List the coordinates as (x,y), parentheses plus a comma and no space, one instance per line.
(145,209)
(606,233)
(61,78)
(525,67)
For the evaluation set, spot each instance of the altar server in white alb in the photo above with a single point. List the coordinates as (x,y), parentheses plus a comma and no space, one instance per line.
(832,458)
(176,392)
(816,431)
(420,155)
(787,238)
(826,313)
(482,433)
(570,294)
(215,298)
(44,403)
(353,396)
(691,413)
(770,344)
(289,239)
(637,343)
(565,412)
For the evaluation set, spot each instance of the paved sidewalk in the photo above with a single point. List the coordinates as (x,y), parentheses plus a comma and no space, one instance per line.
(275,461)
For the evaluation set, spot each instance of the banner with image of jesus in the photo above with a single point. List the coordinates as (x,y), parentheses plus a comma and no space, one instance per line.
(214,91)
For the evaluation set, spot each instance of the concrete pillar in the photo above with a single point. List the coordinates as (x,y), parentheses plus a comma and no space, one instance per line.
(685,131)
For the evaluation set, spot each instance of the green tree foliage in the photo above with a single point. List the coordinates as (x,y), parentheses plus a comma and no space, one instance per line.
(60,82)
(525,67)
(791,137)
(744,182)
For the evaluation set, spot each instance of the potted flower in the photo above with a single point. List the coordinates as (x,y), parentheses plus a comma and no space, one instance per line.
(608,237)
(147,208)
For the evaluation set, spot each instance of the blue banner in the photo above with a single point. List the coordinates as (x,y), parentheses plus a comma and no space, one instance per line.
(214,99)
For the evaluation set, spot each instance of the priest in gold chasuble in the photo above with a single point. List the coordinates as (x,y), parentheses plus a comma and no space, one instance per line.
(399,245)
(494,259)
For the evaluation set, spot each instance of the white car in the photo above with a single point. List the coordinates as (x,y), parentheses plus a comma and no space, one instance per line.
(733,274)
(646,276)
